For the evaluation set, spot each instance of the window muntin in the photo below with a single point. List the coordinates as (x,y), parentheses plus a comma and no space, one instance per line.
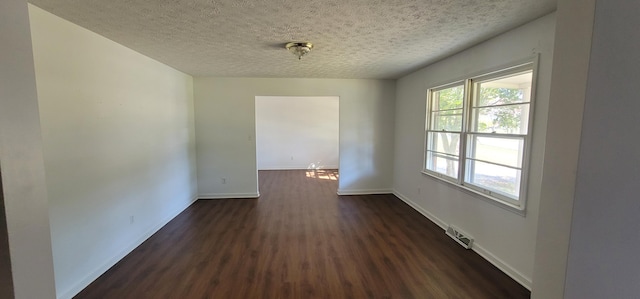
(494,180)
(511,119)
(443,164)
(447,108)
(494,165)
(492,114)
(496,150)
(501,105)
(446,114)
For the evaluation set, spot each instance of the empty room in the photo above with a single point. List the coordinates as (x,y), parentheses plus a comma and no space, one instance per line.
(319,149)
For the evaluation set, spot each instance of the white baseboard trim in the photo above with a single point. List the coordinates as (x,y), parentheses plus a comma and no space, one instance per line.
(79,286)
(422,211)
(364,191)
(490,257)
(228,195)
(306,167)
(513,273)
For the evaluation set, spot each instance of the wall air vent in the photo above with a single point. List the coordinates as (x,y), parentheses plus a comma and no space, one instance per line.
(460,237)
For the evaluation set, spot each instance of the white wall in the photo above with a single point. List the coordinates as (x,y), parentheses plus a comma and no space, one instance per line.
(605,230)
(118,136)
(564,124)
(225,131)
(297,132)
(503,237)
(23,177)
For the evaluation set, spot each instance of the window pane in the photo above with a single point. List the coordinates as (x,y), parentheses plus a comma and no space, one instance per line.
(507,90)
(513,119)
(503,180)
(450,98)
(444,164)
(448,143)
(505,151)
(447,120)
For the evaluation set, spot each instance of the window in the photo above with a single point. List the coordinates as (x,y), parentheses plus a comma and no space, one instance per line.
(478,135)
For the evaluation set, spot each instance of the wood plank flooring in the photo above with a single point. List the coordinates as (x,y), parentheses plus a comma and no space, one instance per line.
(301,240)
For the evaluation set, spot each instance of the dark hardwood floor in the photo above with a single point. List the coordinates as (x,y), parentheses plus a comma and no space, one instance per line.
(301,240)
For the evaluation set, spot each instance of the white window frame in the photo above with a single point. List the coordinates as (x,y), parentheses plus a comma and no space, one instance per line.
(429,122)
(504,201)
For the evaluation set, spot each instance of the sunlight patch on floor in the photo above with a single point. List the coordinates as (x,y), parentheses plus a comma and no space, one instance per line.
(323,174)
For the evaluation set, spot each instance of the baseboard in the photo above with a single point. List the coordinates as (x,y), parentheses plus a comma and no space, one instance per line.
(364,191)
(228,195)
(477,247)
(511,272)
(68,294)
(422,211)
(306,167)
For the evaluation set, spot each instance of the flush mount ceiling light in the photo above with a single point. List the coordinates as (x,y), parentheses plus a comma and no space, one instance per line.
(299,49)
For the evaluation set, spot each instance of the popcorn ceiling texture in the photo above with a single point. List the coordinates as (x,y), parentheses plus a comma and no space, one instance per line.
(352,38)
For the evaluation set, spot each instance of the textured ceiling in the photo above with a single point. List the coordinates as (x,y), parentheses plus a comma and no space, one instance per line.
(352,38)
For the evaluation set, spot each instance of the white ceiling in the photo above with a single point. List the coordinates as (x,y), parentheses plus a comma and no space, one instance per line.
(244,38)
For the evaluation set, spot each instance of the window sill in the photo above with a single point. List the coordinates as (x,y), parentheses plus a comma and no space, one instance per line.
(492,200)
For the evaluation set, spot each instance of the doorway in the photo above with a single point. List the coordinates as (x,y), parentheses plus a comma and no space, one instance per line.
(298,133)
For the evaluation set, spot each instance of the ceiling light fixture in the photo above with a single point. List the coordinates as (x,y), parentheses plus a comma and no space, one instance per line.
(299,49)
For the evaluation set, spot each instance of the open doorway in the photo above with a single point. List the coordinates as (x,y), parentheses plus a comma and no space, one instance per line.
(298,133)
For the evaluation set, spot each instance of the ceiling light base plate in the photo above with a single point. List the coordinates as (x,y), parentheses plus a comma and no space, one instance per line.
(299,48)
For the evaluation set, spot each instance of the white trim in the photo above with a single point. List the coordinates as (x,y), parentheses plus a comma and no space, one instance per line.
(491,70)
(324,167)
(228,195)
(485,197)
(422,211)
(519,204)
(364,191)
(80,285)
(455,83)
(490,257)
(504,267)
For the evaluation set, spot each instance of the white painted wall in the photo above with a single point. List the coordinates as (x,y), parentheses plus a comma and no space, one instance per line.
(118,136)
(564,125)
(225,131)
(605,230)
(297,132)
(503,237)
(23,176)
